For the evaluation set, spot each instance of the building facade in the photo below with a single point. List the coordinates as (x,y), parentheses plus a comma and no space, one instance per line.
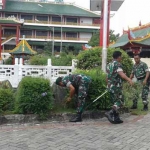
(41,22)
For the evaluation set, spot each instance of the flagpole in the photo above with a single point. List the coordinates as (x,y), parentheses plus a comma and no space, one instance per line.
(104,50)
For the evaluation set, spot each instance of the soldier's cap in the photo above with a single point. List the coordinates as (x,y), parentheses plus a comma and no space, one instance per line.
(58,80)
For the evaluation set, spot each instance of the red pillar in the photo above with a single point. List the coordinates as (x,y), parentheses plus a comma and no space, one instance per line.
(0,41)
(108,25)
(101,25)
(17,35)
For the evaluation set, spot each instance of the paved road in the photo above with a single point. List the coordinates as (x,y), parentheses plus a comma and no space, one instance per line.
(134,134)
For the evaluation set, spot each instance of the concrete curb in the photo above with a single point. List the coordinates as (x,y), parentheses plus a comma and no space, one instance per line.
(31,118)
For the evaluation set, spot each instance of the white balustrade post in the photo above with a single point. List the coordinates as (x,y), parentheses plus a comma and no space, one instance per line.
(20,61)
(16,61)
(20,69)
(15,77)
(49,67)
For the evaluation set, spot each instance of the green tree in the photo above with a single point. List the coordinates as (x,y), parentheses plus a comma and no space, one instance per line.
(94,41)
(48,48)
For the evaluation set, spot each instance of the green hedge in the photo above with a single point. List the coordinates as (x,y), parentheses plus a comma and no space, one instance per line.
(38,60)
(63,60)
(93,58)
(34,95)
(6,100)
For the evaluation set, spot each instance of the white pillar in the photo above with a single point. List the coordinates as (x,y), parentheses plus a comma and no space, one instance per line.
(104,50)
(20,61)
(49,62)
(49,67)
(16,61)
(74,64)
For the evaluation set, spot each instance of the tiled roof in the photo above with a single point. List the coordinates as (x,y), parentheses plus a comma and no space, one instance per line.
(141,34)
(59,29)
(47,8)
(23,48)
(56,43)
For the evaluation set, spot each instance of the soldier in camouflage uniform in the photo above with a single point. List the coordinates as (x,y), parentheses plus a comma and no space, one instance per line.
(77,84)
(141,72)
(114,82)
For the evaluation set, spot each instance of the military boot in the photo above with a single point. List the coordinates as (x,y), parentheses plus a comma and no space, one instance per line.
(110,116)
(117,119)
(77,118)
(145,107)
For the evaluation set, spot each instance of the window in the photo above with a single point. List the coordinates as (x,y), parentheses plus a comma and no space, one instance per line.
(42,18)
(73,20)
(56,19)
(57,34)
(41,33)
(9,47)
(71,34)
(26,32)
(9,32)
(26,17)
(96,21)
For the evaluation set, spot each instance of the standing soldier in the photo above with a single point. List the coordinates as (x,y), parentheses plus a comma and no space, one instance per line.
(114,81)
(77,84)
(141,72)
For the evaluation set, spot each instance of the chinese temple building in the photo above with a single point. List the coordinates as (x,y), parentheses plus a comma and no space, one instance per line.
(45,21)
(135,40)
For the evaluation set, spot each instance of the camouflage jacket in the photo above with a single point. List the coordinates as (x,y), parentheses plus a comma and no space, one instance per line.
(114,79)
(139,70)
(76,80)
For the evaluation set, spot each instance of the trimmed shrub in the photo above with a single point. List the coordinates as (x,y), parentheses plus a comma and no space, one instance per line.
(34,95)
(63,60)
(97,87)
(6,100)
(38,60)
(93,58)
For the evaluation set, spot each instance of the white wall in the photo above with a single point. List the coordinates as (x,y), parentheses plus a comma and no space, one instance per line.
(85,35)
(86,21)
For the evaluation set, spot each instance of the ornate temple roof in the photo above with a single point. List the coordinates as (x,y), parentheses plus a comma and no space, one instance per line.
(23,48)
(138,35)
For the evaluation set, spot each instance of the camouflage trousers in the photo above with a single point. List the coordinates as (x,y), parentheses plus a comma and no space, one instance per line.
(144,95)
(116,97)
(82,93)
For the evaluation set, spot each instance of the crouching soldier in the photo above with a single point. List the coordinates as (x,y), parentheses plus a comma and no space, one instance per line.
(141,72)
(114,82)
(77,84)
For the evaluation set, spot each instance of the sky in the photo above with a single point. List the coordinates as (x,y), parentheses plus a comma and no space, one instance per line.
(129,15)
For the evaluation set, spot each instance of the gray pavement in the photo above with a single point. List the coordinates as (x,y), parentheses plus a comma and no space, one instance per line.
(133,134)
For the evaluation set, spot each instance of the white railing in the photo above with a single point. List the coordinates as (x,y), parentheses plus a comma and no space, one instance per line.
(14,73)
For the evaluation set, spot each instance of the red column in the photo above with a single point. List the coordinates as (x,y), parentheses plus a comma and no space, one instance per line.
(17,35)
(0,41)
(108,25)
(101,25)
